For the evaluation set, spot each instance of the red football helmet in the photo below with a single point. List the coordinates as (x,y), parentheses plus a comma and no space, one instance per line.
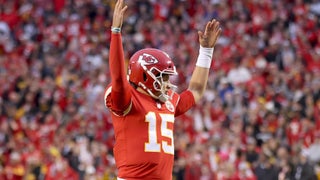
(149,69)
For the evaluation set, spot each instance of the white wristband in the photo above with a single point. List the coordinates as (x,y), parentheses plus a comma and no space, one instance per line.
(205,57)
(115,29)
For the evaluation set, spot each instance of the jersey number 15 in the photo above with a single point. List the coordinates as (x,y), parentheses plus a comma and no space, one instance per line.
(154,145)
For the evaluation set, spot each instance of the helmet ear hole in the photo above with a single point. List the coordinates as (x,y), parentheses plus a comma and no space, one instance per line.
(145,77)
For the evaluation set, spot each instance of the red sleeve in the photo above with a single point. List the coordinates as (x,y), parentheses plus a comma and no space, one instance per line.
(185,103)
(120,93)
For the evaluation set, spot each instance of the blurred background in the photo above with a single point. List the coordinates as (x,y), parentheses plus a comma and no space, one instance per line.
(260,118)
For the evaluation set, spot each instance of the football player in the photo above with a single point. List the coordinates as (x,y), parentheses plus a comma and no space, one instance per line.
(145,104)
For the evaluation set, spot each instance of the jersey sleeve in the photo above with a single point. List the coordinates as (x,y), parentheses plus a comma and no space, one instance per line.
(186,101)
(118,97)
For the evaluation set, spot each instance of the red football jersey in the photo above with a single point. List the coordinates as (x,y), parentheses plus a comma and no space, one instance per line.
(144,145)
(143,126)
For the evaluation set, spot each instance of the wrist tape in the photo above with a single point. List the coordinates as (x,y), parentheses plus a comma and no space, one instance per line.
(205,57)
(115,29)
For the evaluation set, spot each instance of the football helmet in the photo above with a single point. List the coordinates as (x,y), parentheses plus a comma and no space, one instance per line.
(150,69)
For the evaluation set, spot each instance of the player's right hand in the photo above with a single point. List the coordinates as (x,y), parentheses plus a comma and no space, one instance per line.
(118,14)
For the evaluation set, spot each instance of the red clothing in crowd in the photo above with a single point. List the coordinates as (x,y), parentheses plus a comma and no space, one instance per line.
(293,131)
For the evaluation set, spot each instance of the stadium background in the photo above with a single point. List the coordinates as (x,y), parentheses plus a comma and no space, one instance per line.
(260,118)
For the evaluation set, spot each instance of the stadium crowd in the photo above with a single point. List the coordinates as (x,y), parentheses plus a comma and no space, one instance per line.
(260,118)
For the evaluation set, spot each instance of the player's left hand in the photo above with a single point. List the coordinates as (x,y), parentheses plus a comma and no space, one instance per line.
(209,37)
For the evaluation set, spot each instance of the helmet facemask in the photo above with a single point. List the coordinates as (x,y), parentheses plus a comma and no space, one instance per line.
(162,88)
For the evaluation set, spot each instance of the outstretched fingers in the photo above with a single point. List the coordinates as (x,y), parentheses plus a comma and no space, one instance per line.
(211,33)
(120,7)
(213,26)
(216,26)
(207,29)
(124,9)
(118,14)
(215,30)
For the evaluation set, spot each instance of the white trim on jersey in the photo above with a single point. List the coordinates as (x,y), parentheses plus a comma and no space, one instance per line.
(125,112)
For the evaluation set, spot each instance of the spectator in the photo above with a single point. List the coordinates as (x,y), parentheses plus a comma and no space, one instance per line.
(304,170)
(265,168)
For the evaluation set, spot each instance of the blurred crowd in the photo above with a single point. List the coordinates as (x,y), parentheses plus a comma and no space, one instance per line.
(259,120)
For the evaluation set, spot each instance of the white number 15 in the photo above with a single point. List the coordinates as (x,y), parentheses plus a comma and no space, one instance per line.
(153,145)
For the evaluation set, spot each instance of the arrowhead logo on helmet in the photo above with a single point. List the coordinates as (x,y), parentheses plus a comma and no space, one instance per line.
(147,59)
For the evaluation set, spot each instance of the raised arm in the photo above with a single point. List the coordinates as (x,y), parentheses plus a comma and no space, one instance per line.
(120,95)
(207,40)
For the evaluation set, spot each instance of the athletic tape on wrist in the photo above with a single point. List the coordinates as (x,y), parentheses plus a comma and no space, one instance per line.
(115,29)
(205,57)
